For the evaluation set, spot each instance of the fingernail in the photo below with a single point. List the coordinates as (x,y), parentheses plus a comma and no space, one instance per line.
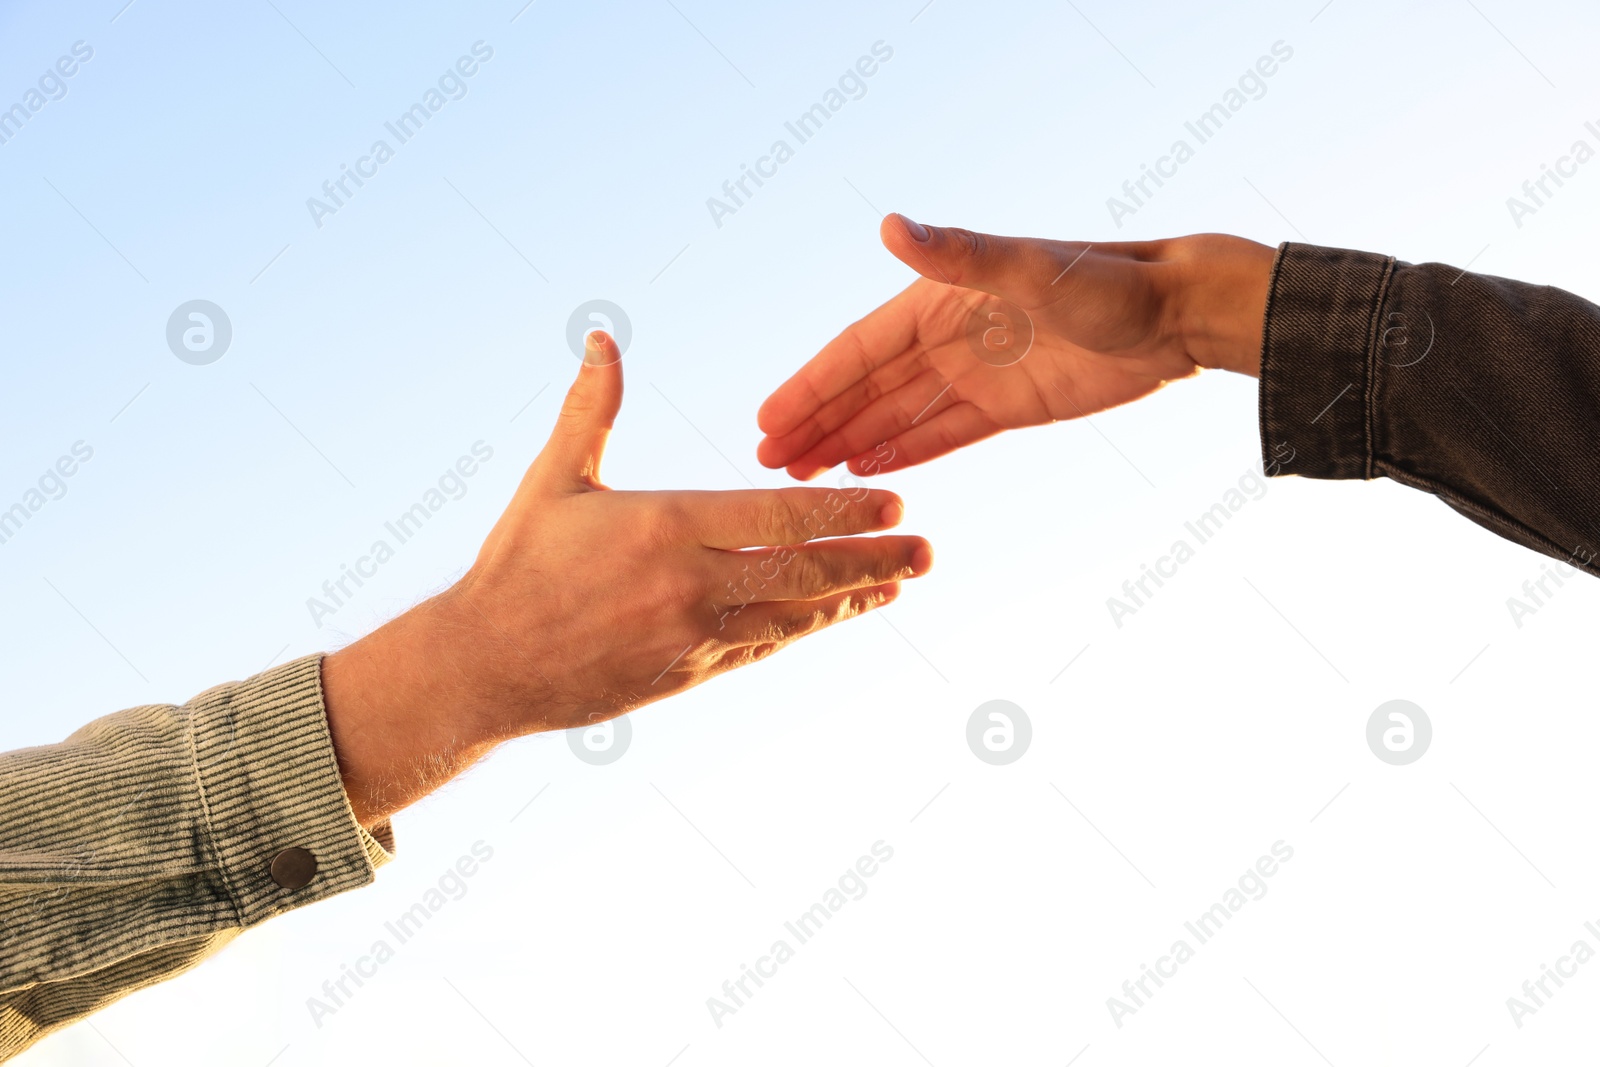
(922,560)
(594,348)
(917,230)
(892,513)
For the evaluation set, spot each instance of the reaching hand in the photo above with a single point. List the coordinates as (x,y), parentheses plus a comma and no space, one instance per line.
(586,602)
(1003,332)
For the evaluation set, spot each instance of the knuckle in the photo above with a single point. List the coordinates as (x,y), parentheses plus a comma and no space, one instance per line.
(779,520)
(812,574)
(780,631)
(847,608)
(745,655)
(795,626)
(577,406)
(761,650)
(968,242)
(894,561)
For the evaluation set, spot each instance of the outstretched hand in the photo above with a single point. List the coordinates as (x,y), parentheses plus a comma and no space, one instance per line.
(587,602)
(1004,332)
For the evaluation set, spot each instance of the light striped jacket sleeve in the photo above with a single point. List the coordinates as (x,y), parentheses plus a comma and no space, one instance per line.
(145,842)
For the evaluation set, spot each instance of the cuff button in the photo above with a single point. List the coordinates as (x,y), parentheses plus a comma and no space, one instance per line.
(293,868)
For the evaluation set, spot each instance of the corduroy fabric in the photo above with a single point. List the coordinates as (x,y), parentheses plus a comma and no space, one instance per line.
(141,844)
(1481,390)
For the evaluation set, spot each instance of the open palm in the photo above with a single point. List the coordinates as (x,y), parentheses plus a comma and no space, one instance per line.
(998,333)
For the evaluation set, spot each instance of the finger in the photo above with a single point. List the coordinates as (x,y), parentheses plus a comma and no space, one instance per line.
(861,349)
(1017,268)
(746,518)
(578,440)
(784,450)
(887,417)
(785,621)
(959,426)
(822,568)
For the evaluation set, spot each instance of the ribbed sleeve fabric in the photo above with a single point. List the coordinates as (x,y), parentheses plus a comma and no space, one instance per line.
(144,842)
(1481,390)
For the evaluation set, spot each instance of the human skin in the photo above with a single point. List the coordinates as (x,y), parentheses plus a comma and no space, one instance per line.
(586,603)
(1111,323)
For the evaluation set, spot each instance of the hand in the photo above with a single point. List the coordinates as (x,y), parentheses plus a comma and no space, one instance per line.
(1094,325)
(586,603)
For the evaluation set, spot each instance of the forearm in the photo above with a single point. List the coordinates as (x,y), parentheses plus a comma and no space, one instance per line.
(150,838)
(1482,390)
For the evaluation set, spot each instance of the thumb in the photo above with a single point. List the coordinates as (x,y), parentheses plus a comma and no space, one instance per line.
(1017,268)
(579,439)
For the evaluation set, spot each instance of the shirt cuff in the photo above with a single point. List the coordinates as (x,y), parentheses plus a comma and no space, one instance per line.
(1318,348)
(274,804)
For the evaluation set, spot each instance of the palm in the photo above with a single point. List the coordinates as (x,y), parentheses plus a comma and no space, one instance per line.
(941,366)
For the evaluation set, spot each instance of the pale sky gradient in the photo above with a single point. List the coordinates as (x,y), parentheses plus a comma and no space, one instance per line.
(425,315)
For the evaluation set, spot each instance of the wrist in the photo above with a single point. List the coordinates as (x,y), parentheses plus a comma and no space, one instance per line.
(404,711)
(1220,300)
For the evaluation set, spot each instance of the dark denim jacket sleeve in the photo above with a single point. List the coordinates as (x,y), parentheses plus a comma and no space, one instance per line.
(1481,390)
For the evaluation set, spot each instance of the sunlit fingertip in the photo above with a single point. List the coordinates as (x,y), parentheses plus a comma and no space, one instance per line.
(767,420)
(765,454)
(599,350)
